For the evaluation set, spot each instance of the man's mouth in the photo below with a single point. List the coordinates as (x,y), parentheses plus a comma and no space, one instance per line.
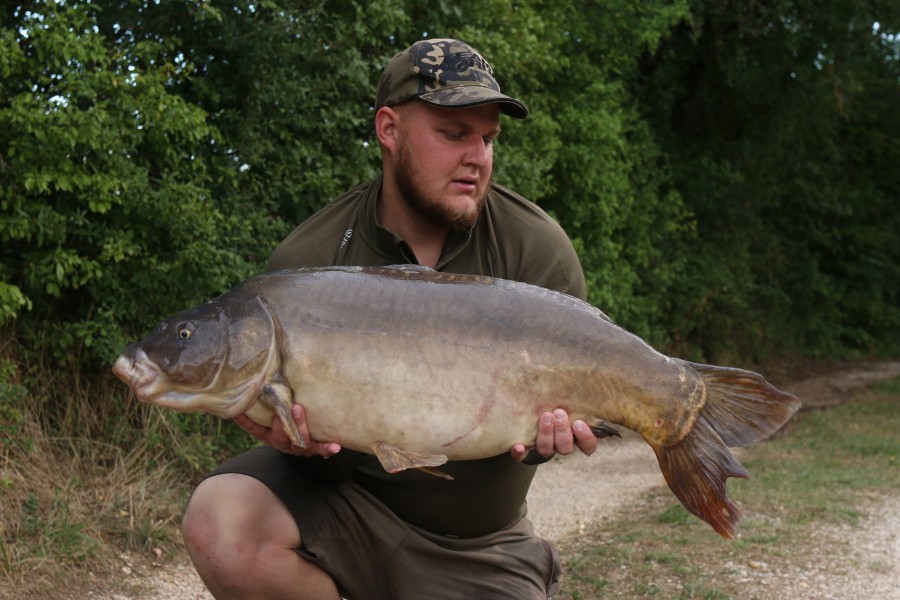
(467,183)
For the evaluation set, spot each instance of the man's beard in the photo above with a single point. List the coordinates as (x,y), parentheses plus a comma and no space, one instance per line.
(432,209)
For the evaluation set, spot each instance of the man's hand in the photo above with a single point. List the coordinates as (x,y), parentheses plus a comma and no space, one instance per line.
(555,434)
(277,438)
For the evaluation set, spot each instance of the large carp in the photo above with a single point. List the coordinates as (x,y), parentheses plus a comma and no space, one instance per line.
(418,367)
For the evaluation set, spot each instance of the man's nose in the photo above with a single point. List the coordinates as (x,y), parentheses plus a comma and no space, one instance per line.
(479,152)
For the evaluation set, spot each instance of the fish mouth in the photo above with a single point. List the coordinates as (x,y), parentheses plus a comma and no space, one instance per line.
(139,372)
(148,383)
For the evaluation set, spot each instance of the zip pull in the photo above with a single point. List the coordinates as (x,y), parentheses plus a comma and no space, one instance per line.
(345,242)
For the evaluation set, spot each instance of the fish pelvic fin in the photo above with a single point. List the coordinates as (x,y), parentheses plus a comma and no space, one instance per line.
(696,469)
(395,459)
(741,406)
(435,472)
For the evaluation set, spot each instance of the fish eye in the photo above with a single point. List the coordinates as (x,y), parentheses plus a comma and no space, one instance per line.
(184,331)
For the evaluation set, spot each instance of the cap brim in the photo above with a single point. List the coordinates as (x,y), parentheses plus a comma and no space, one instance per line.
(463,96)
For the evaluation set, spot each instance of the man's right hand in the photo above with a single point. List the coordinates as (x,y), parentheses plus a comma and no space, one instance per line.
(277,438)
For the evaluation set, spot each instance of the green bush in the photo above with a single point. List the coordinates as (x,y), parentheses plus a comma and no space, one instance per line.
(726,174)
(110,215)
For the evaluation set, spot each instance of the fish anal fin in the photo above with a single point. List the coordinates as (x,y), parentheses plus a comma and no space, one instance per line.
(696,470)
(602,429)
(279,398)
(395,459)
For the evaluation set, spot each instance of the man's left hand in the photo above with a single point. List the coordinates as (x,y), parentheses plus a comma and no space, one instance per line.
(556,435)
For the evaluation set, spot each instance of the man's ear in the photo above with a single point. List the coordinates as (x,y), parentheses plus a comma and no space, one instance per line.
(387,124)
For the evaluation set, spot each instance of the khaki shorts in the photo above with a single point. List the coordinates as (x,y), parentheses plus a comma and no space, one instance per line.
(373,555)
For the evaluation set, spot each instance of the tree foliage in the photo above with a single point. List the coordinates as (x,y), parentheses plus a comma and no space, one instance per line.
(778,122)
(725,169)
(107,219)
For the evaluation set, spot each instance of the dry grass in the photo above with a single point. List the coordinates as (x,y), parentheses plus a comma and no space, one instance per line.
(85,476)
(825,475)
(69,505)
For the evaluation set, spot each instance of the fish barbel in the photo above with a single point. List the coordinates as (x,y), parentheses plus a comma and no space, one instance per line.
(419,367)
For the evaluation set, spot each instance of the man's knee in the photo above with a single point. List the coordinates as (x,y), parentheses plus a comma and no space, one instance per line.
(231,513)
(240,538)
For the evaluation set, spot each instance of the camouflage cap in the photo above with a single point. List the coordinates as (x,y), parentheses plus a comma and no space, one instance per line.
(446,73)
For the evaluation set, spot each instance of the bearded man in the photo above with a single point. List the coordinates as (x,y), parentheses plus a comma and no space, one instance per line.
(322,523)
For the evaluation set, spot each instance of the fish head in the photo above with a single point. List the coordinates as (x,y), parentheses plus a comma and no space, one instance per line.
(211,358)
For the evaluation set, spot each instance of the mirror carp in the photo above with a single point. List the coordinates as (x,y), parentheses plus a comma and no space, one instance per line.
(419,367)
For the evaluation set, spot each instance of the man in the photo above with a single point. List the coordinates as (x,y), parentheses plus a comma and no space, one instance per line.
(322,523)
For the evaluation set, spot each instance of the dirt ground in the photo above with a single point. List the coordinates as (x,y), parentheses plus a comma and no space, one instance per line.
(602,487)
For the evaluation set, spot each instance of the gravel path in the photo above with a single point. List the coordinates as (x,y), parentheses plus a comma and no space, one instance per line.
(862,561)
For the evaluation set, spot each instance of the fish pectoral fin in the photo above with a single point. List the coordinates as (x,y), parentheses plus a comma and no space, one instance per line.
(395,459)
(279,398)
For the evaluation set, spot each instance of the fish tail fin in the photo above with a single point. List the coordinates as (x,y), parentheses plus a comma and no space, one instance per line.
(741,408)
(696,469)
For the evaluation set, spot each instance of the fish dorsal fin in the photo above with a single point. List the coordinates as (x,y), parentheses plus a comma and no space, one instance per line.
(395,459)
(410,267)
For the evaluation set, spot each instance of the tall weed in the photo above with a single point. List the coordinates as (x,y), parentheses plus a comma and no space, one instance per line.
(87,476)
